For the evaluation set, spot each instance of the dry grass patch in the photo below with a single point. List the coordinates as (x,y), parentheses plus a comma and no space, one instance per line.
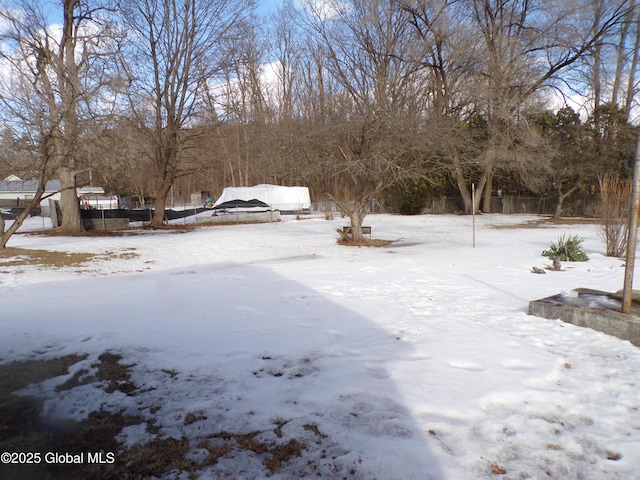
(110,372)
(281,454)
(346,239)
(12,257)
(365,242)
(573,221)
(16,257)
(549,222)
(276,455)
(23,428)
(154,459)
(17,375)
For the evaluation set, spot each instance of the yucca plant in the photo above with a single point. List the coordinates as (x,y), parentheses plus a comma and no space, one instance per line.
(567,250)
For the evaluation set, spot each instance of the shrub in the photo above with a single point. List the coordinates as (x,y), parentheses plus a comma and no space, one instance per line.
(409,199)
(567,250)
(616,208)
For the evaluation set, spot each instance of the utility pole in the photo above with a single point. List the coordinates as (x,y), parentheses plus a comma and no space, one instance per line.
(627,291)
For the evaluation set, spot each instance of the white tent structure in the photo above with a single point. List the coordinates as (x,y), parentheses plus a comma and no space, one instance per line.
(284,199)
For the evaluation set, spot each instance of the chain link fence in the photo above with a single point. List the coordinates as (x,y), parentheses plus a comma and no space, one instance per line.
(580,206)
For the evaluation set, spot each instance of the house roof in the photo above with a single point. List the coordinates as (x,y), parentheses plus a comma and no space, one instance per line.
(27,186)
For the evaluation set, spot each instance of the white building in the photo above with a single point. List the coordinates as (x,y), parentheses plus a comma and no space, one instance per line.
(15,192)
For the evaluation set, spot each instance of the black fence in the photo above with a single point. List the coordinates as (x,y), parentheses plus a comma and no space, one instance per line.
(138,214)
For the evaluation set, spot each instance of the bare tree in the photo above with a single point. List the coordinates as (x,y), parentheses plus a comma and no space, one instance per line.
(33,158)
(613,62)
(363,143)
(286,45)
(174,51)
(450,57)
(120,159)
(623,53)
(567,170)
(523,47)
(242,103)
(54,85)
(633,82)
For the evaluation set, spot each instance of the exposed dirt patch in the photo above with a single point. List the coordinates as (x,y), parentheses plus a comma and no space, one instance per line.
(11,257)
(156,458)
(276,453)
(120,232)
(366,242)
(15,257)
(573,221)
(17,375)
(23,428)
(113,375)
(20,427)
(346,239)
(550,222)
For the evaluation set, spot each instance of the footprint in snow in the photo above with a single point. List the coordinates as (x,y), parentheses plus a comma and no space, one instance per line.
(373,415)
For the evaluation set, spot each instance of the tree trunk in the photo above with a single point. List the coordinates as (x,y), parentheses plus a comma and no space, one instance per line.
(357,216)
(35,201)
(167,159)
(561,199)
(620,61)
(631,90)
(486,206)
(597,92)
(559,203)
(480,188)
(462,187)
(157,221)
(69,204)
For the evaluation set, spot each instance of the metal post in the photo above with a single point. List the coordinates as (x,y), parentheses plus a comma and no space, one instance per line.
(627,292)
(473,212)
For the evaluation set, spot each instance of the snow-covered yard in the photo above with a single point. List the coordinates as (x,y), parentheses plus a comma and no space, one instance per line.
(412,361)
